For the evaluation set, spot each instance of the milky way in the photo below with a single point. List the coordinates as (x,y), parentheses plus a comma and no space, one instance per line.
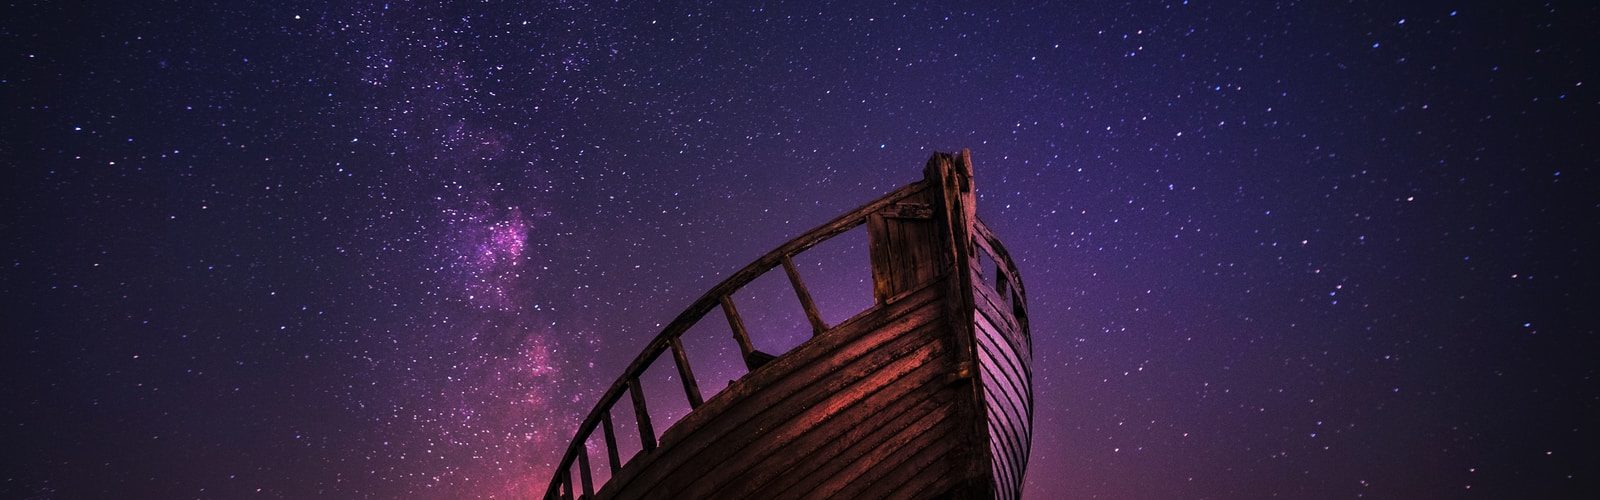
(395,250)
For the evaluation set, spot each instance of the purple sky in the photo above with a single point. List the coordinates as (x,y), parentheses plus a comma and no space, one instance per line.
(388,250)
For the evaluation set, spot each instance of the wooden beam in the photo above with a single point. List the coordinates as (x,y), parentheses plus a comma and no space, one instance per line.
(690,387)
(583,471)
(747,349)
(566,481)
(908,211)
(611,442)
(810,306)
(647,434)
(878,250)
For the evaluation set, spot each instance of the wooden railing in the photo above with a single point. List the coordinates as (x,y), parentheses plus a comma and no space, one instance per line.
(670,339)
(1008,280)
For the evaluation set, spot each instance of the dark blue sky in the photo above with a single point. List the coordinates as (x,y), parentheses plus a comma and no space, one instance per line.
(391,250)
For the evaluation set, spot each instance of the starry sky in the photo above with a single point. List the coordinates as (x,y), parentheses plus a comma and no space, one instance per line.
(396,250)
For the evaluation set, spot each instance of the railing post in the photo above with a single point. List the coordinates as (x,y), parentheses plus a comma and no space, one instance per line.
(740,335)
(566,481)
(690,387)
(611,442)
(810,306)
(647,434)
(583,471)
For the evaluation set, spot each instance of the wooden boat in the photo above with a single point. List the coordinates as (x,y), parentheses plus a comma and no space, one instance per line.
(926,394)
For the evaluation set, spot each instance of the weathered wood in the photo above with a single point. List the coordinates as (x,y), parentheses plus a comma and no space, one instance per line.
(809,418)
(878,250)
(998,250)
(806,303)
(753,358)
(799,372)
(911,210)
(647,433)
(860,437)
(903,359)
(928,393)
(905,465)
(690,387)
(710,298)
(611,443)
(843,424)
(934,427)
(950,181)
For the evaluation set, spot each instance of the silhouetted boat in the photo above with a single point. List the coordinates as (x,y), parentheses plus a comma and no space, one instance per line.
(927,393)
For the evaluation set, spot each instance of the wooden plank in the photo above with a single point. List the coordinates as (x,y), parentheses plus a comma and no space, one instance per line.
(929,261)
(611,442)
(1008,400)
(908,210)
(1003,461)
(998,250)
(690,387)
(1017,361)
(863,419)
(799,370)
(926,434)
(832,414)
(890,360)
(860,440)
(931,482)
(902,256)
(897,313)
(1005,441)
(647,433)
(878,247)
(1000,380)
(1011,376)
(810,306)
(906,465)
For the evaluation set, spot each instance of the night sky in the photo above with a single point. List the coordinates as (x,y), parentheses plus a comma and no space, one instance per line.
(390,250)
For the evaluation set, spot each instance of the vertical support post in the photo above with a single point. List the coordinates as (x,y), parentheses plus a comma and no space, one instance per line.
(690,387)
(740,335)
(647,434)
(583,471)
(611,442)
(951,176)
(878,250)
(566,480)
(806,302)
